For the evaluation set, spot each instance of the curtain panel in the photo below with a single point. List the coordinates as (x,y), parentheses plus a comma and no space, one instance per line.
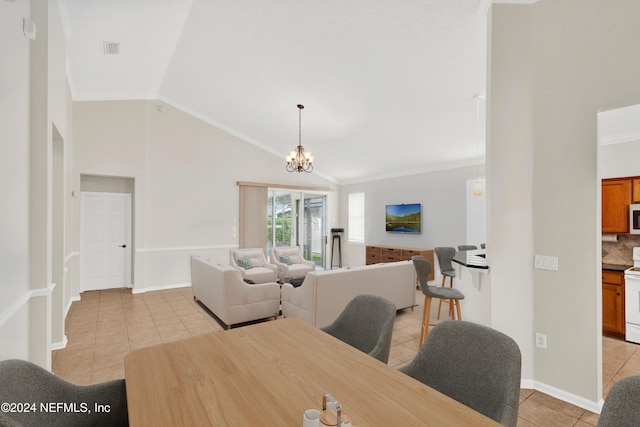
(252,231)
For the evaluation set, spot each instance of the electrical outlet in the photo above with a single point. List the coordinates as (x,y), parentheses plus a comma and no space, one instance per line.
(541,340)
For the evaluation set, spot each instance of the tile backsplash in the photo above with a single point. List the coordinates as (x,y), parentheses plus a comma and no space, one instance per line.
(620,252)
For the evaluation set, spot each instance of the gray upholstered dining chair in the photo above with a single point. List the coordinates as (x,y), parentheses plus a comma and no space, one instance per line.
(366,323)
(467,247)
(622,405)
(423,269)
(445,255)
(22,381)
(473,364)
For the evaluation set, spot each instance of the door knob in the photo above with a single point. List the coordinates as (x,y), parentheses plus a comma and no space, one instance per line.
(123,246)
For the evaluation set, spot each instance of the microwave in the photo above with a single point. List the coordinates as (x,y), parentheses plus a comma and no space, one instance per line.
(634,218)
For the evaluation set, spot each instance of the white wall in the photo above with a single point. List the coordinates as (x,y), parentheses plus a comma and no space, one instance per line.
(34,97)
(510,179)
(619,133)
(59,122)
(620,160)
(14,169)
(15,75)
(444,221)
(185,172)
(553,66)
(443,198)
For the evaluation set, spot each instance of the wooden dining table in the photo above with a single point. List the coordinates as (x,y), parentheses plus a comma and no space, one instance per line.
(268,374)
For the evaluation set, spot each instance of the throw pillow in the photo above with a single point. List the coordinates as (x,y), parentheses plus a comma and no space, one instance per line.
(244,263)
(285,260)
(296,259)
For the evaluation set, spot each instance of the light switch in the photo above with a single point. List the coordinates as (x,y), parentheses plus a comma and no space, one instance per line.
(544,262)
(29,28)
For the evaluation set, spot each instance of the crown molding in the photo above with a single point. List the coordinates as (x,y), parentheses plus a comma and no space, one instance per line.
(619,138)
(485,5)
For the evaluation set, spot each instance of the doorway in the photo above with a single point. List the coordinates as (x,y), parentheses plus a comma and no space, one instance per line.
(60,292)
(617,153)
(105,253)
(298,219)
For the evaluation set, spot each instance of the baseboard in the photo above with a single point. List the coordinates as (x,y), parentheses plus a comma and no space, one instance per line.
(579,401)
(529,384)
(135,290)
(59,345)
(71,301)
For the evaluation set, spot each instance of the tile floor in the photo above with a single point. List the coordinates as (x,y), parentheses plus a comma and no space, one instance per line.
(105,325)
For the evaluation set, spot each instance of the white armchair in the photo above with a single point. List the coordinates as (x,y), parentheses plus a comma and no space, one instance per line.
(290,262)
(253,265)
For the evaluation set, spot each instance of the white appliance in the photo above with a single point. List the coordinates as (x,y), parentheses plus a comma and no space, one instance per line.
(632,298)
(634,218)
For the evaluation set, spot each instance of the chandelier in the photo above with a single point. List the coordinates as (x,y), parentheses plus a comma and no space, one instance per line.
(298,160)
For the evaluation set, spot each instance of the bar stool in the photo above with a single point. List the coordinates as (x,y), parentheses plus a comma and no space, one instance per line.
(445,255)
(335,232)
(423,268)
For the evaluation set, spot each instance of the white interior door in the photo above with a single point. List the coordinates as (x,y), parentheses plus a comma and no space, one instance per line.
(106,241)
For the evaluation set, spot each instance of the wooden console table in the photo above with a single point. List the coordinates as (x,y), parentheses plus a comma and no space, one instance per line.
(381,253)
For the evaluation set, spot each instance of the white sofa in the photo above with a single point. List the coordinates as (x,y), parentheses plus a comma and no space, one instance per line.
(261,271)
(299,266)
(325,293)
(223,291)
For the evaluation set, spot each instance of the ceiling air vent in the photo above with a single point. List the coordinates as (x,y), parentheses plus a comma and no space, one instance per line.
(111,48)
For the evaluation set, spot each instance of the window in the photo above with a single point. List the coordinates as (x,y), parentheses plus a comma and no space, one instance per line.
(356,217)
(476,214)
(281,219)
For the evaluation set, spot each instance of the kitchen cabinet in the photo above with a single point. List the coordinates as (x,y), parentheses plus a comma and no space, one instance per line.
(616,198)
(376,254)
(613,319)
(635,192)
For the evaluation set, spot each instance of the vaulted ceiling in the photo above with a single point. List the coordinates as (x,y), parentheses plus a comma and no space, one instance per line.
(388,86)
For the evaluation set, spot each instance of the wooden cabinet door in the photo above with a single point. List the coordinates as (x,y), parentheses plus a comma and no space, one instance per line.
(613,319)
(635,192)
(612,302)
(616,197)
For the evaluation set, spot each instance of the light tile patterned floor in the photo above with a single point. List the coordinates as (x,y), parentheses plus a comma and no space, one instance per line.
(105,325)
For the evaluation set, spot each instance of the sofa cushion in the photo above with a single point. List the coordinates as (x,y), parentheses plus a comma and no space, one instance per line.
(244,263)
(287,250)
(298,270)
(260,275)
(255,255)
(295,259)
(257,260)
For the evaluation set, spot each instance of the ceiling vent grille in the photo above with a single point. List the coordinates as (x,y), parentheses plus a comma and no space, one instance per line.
(111,48)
